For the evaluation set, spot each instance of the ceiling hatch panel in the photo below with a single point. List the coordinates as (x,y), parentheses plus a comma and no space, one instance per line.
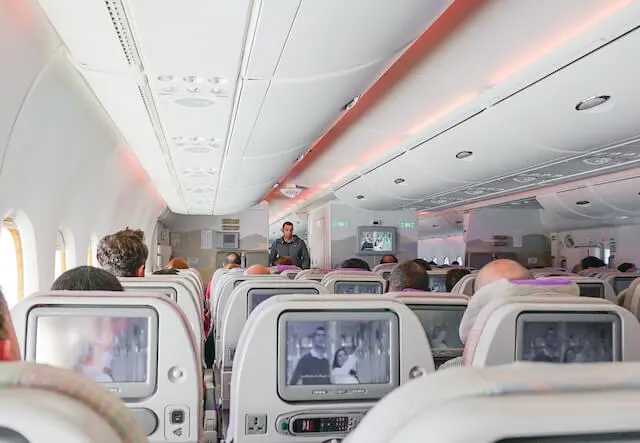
(623,195)
(545,112)
(227,202)
(362,195)
(332,36)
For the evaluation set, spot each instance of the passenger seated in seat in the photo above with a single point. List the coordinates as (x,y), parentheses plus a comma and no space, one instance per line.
(423,263)
(9,350)
(499,270)
(178,263)
(453,276)
(343,369)
(388,259)
(627,267)
(408,275)
(124,253)
(313,367)
(354,263)
(232,259)
(592,262)
(86,278)
(257,270)
(285,261)
(166,272)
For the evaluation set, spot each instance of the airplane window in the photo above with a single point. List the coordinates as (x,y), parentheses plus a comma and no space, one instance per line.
(61,259)
(459,260)
(445,261)
(90,256)
(435,260)
(11,258)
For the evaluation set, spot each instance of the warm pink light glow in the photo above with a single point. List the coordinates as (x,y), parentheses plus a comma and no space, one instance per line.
(442,112)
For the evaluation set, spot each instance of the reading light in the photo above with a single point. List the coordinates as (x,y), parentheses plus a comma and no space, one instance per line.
(592,102)
(464,154)
(398,181)
(192,78)
(435,226)
(359,197)
(166,78)
(583,202)
(351,104)
(275,185)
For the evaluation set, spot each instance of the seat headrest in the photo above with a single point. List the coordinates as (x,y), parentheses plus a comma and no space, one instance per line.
(504,289)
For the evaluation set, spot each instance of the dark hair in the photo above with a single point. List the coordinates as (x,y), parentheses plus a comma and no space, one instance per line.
(335,362)
(453,276)
(123,253)
(455,263)
(624,267)
(236,260)
(592,262)
(319,328)
(408,275)
(287,223)
(285,261)
(168,271)
(423,263)
(355,263)
(393,258)
(86,278)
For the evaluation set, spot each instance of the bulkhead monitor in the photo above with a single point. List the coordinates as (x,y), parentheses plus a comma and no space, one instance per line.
(568,337)
(117,347)
(376,240)
(164,290)
(259,295)
(441,324)
(337,355)
(593,290)
(438,282)
(358,287)
(622,283)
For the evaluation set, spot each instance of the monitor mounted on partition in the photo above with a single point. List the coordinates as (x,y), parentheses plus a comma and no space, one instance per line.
(622,283)
(568,337)
(117,349)
(376,240)
(337,355)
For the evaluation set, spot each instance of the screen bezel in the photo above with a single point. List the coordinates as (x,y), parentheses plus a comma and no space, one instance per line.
(321,393)
(437,277)
(132,391)
(287,291)
(591,285)
(570,316)
(390,229)
(625,278)
(359,282)
(422,307)
(162,290)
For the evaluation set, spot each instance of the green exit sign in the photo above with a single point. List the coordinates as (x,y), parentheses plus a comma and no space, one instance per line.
(339,223)
(408,225)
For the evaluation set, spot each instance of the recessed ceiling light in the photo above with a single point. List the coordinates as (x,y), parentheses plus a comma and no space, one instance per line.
(192,79)
(514,203)
(464,154)
(217,91)
(435,226)
(193,90)
(583,202)
(166,78)
(217,80)
(622,217)
(596,161)
(399,181)
(275,185)
(351,104)
(359,197)
(524,179)
(199,173)
(592,102)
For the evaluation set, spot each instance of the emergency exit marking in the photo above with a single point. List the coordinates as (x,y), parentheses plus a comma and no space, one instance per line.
(408,225)
(340,223)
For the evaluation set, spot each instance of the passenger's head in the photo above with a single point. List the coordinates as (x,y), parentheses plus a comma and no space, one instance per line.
(285,261)
(499,270)
(339,358)
(257,270)
(9,350)
(423,263)
(454,276)
(355,263)
(455,263)
(319,338)
(592,262)
(232,258)
(408,275)
(178,263)
(166,272)
(627,267)
(86,278)
(124,253)
(287,230)
(388,259)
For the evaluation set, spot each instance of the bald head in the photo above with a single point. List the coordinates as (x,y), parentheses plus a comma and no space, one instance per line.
(501,269)
(256,270)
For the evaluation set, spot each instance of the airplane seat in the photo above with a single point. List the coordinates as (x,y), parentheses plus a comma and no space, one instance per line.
(354,282)
(194,278)
(384,270)
(465,285)
(156,371)
(633,300)
(440,315)
(243,301)
(525,402)
(633,286)
(288,271)
(64,405)
(278,390)
(590,287)
(621,297)
(619,281)
(312,274)
(552,327)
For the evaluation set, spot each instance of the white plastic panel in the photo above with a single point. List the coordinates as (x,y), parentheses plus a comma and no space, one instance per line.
(373,199)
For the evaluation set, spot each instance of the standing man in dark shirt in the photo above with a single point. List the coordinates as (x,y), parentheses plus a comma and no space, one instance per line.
(290,245)
(313,368)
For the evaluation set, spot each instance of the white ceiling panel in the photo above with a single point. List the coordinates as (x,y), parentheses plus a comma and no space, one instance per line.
(260,170)
(331,36)
(362,195)
(252,95)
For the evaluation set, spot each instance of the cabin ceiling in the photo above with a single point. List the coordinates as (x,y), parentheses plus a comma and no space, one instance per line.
(225,103)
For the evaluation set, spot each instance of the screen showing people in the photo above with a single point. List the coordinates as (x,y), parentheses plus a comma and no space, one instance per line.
(437,282)
(441,324)
(376,241)
(361,287)
(568,341)
(622,283)
(104,349)
(257,296)
(338,352)
(593,290)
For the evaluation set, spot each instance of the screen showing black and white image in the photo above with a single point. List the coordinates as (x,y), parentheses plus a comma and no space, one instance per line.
(622,283)
(338,352)
(593,290)
(104,349)
(567,341)
(257,296)
(441,324)
(437,282)
(361,287)
(376,241)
